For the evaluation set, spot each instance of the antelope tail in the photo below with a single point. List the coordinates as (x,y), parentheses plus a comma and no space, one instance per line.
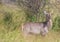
(22,26)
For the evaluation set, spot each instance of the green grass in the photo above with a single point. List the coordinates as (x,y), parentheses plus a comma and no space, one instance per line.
(11,19)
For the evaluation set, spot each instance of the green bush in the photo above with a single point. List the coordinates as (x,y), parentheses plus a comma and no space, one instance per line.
(7,18)
(56,23)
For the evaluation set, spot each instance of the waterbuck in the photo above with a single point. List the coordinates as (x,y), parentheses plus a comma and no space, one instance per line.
(38,27)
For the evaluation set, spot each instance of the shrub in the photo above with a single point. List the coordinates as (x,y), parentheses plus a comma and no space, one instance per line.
(56,23)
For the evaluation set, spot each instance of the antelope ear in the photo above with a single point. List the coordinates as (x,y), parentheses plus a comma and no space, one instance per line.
(45,12)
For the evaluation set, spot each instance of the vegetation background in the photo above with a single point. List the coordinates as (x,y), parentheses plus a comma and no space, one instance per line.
(12,15)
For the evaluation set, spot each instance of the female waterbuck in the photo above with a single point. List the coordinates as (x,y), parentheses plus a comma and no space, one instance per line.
(38,27)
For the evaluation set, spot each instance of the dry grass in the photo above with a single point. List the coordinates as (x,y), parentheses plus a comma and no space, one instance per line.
(16,36)
(7,35)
